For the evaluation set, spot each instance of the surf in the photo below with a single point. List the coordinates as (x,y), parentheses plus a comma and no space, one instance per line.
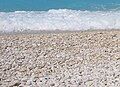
(61,19)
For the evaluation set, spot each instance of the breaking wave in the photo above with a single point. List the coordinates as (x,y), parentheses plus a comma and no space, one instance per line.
(62,19)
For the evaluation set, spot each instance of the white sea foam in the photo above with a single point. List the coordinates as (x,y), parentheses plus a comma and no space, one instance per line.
(61,19)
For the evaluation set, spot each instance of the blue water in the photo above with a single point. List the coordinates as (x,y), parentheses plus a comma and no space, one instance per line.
(20,15)
(43,5)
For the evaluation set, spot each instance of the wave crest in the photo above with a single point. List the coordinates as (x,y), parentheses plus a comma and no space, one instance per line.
(62,19)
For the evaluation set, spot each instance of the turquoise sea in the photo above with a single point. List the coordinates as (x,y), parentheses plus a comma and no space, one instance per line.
(43,5)
(19,15)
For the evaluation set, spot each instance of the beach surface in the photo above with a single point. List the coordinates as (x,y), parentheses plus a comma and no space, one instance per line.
(66,59)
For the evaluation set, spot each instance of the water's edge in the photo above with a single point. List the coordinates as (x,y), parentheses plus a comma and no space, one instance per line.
(55,31)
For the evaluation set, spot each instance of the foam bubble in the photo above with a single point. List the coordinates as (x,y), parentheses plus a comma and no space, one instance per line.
(62,19)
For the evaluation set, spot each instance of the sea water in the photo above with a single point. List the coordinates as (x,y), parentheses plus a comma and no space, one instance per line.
(20,15)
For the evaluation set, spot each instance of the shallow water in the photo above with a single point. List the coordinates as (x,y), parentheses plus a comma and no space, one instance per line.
(20,15)
(40,5)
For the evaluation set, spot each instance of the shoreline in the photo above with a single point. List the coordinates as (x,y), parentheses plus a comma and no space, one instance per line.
(55,31)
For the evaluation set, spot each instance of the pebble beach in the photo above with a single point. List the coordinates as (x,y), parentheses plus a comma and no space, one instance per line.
(67,59)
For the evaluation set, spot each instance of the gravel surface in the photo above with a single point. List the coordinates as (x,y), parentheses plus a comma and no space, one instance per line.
(74,59)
